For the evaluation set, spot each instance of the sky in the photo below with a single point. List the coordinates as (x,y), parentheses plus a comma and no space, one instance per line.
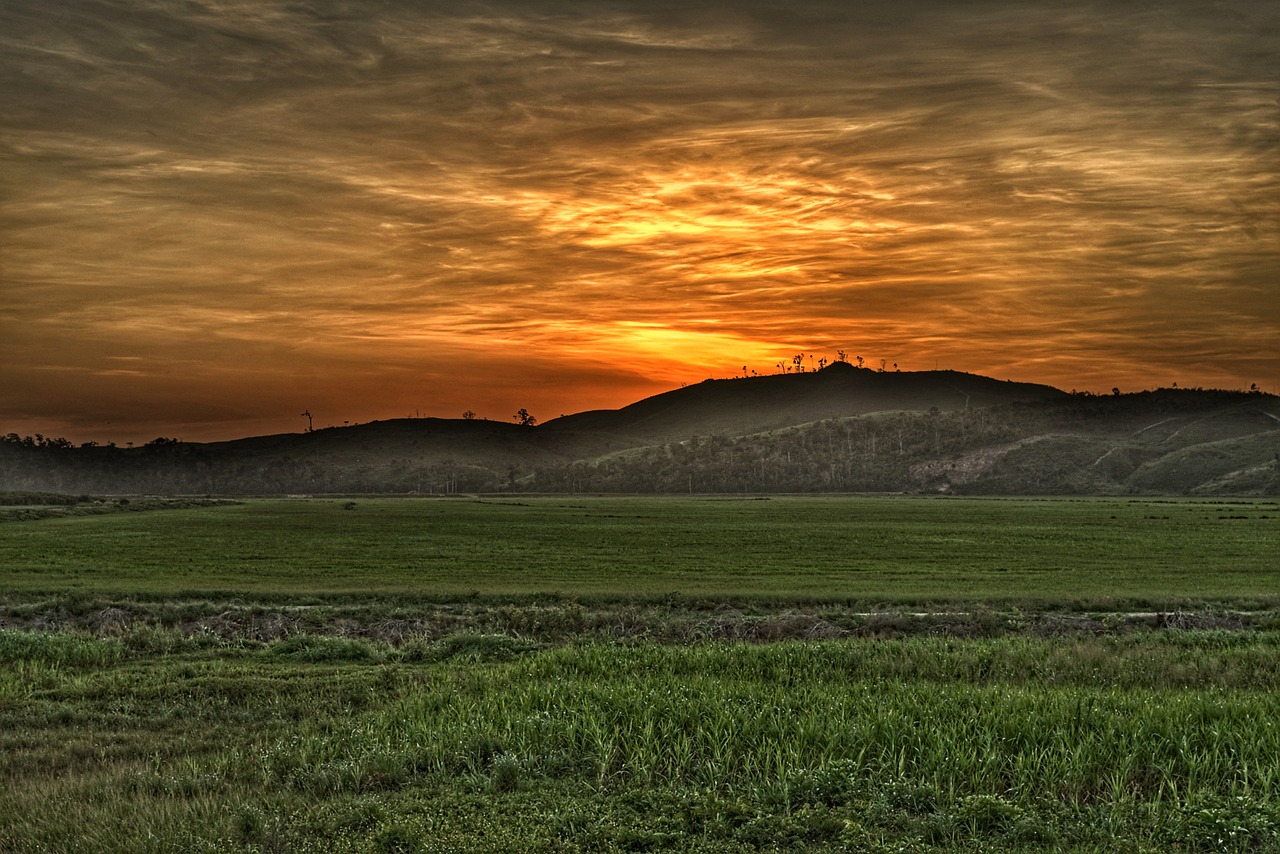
(218,214)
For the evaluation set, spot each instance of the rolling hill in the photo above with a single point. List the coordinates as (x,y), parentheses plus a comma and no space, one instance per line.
(841,429)
(751,405)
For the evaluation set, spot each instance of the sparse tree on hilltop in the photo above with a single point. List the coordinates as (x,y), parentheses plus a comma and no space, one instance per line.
(523,418)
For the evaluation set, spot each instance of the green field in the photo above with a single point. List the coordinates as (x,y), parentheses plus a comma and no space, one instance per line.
(1142,553)
(586,675)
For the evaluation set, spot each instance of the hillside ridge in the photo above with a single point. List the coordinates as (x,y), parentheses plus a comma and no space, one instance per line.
(747,404)
(839,429)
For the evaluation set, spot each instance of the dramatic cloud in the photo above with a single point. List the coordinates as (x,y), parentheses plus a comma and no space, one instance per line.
(215,214)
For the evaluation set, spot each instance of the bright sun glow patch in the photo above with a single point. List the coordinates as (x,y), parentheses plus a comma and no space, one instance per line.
(673,344)
(657,349)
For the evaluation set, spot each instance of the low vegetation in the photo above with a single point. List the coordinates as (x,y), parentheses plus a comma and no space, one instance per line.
(156,741)
(20,506)
(927,553)
(891,674)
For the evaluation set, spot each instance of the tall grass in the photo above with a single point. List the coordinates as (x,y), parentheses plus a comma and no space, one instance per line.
(75,650)
(1156,742)
(739,718)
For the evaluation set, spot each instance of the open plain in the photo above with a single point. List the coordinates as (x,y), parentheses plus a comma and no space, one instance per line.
(622,674)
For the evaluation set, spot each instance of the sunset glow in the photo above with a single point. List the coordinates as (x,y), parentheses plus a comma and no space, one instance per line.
(218,214)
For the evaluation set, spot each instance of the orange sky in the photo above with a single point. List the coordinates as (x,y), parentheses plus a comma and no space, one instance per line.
(217,214)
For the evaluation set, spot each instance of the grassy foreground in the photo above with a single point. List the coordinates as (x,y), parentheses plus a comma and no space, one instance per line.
(571,675)
(156,741)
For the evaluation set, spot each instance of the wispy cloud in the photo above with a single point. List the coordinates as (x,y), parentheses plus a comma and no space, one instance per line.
(398,206)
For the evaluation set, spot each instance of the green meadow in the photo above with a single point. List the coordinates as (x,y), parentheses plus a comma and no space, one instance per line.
(899,550)
(618,674)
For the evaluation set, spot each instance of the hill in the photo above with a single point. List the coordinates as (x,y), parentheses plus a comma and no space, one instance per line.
(841,429)
(1169,442)
(750,405)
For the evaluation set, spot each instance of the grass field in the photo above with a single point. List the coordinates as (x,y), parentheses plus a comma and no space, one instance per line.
(1141,553)
(156,742)
(570,675)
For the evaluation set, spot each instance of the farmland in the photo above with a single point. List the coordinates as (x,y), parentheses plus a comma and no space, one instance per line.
(889,550)
(587,674)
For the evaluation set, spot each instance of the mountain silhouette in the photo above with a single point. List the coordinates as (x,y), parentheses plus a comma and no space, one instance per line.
(747,405)
(840,429)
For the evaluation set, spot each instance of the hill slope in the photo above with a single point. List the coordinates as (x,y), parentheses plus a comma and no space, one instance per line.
(836,430)
(1167,443)
(749,405)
